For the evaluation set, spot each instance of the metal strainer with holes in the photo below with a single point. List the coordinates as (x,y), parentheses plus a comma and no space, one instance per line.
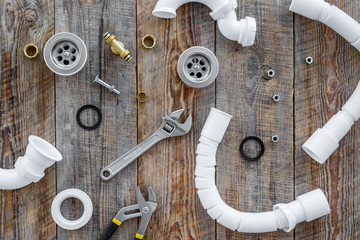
(65,54)
(198,67)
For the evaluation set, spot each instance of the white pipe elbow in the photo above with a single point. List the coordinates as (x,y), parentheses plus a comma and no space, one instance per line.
(223,11)
(242,31)
(326,140)
(30,168)
(306,207)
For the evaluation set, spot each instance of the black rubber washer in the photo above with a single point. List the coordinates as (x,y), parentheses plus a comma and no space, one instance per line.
(97,124)
(258,140)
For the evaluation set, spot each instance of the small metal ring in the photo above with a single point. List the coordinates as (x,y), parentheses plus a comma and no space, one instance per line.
(274,138)
(151,38)
(271,73)
(309,60)
(142,97)
(242,152)
(97,124)
(276,98)
(31,51)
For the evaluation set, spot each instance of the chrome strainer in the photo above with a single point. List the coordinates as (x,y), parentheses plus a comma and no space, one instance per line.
(65,54)
(198,67)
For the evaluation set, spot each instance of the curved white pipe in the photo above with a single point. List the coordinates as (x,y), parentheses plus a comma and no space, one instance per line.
(242,31)
(30,168)
(306,207)
(330,15)
(326,140)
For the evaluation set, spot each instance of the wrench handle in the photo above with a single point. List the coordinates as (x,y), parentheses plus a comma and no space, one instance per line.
(119,164)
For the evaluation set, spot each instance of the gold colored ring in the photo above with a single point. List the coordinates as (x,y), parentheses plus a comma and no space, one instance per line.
(149,41)
(31,51)
(142,97)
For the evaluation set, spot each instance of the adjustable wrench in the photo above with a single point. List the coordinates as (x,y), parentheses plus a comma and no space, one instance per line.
(170,127)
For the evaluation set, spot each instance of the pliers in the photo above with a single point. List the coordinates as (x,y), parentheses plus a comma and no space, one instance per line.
(146,208)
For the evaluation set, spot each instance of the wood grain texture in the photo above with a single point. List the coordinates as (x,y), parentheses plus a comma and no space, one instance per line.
(242,92)
(87,152)
(33,101)
(169,166)
(26,108)
(321,90)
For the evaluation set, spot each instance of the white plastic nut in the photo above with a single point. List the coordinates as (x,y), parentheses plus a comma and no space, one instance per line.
(71,224)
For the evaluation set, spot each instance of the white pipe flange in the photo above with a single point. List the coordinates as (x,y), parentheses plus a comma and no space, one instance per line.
(65,54)
(71,224)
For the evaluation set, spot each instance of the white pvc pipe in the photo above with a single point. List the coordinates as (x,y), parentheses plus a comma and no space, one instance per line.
(306,207)
(30,168)
(326,140)
(223,11)
(330,15)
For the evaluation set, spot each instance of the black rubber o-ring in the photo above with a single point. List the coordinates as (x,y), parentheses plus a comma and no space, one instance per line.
(242,152)
(97,124)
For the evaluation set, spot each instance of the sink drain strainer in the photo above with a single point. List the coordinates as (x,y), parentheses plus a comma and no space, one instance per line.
(198,67)
(65,54)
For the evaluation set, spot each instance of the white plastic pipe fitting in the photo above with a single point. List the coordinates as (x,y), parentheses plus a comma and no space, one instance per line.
(326,140)
(30,168)
(306,207)
(223,11)
(330,15)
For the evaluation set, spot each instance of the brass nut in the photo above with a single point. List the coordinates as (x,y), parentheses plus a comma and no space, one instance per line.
(31,51)
(142,97)
(148,41)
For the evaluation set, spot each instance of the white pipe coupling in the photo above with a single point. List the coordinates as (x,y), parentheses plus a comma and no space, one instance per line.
(326,140)
(30,168)
(223,11)
(306,207)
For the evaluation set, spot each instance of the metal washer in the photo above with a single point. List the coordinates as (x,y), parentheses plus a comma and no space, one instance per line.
(65,54)
(198,67)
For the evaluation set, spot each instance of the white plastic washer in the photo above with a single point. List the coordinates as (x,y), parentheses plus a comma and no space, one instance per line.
(71,224)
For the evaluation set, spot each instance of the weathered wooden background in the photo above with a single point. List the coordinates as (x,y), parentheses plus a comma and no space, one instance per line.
(35,101)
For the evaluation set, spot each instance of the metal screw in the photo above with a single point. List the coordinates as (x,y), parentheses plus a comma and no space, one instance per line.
(276,98)
(274,138)
(145,210)
(110,87)
(309,60)
(271,73)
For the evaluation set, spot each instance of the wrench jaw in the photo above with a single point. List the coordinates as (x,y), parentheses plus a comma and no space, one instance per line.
(173,128)
(176,115)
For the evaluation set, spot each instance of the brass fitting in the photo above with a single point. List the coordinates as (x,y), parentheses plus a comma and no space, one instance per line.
(148,41)
(142,97)
(117,47)
(31,50)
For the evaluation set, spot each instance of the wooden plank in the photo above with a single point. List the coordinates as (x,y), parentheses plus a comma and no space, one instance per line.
(242,92)
(169,166)
(27,108)
(87,152)
(321,89)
